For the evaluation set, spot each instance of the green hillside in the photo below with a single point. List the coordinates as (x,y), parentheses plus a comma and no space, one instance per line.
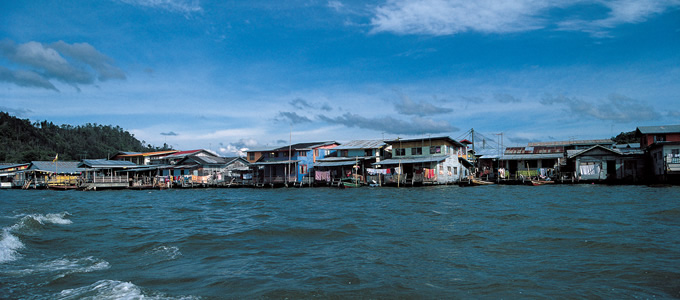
(23,141)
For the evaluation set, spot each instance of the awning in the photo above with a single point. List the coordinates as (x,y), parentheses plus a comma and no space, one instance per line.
(415,160)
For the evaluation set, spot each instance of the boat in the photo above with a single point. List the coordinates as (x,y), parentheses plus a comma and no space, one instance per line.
(474,182)
(349,183)
(540,182)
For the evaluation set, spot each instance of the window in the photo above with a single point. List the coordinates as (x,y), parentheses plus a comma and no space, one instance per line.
(303,169)
(368,152)
(316,152)
(455,170)
(251,156)
(675,152)
(399,152)
(272,154)
(417,151)
(302,153)
(344,153)
(435,149)
(660,138)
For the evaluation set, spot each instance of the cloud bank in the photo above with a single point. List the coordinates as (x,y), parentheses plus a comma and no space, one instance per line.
(73,64)
(392,125)
(616,108)
(409,107)
(448,17)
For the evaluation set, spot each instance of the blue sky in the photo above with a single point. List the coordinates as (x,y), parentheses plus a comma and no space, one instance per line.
(229,75)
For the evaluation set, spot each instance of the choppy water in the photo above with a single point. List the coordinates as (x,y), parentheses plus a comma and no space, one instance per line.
(581,241)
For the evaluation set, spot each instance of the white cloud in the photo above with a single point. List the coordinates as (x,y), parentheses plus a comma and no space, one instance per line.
(447,17)
(336,5)
(391,125)
(409,107)
(181,6)
(616,108)
(620,12)
(38,63)
(444,17)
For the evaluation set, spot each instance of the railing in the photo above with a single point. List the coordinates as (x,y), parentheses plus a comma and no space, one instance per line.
(106,179)
(277,179)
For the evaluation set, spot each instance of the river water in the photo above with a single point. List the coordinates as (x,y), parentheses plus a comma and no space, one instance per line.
(561,241)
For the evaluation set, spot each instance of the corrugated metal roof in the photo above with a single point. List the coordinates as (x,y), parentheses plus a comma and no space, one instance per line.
(577,153)
(62,167)
(531,156)
(281,162)
(335,163)
(305,146)
(150,168)
(629,145)
(10,166)
(534,150)
(105,163)
(572,143)
(659,129)
(342,158)
(361,144)
(412,160)
(449,139)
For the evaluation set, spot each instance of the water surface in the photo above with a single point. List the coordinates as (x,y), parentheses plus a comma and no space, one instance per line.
(562,241)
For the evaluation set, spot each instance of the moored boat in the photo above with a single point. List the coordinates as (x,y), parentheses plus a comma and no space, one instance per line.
(475,182)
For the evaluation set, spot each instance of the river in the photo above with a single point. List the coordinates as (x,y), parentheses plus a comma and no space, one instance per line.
(558,241)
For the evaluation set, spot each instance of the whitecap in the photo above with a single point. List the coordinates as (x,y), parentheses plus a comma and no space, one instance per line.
(9,244)
(59,218)
(66,266)
(112,289)
(104,289)
(168,252)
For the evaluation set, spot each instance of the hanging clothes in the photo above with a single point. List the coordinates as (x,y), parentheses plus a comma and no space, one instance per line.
(322,176)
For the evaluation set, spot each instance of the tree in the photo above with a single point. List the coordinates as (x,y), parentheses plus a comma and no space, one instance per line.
(626,138)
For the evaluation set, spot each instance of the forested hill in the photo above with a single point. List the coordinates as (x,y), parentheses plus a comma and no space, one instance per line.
(23,141)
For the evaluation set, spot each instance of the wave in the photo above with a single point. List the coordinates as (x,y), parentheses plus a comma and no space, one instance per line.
(9,244)
(28,224)
(165,252)
(113,289)
(62,267)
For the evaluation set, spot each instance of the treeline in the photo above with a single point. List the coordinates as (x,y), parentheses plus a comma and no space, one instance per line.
(23,141)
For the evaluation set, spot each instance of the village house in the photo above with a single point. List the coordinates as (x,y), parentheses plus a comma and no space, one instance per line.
(662,145)
(105,174)
(140,158)
(544,159)
(173,158)
(289,164)
(207,169)
(600,163)
(427,160)
(351,161)
(11,174)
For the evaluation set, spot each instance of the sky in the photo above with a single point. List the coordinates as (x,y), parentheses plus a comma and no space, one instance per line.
(234,75)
